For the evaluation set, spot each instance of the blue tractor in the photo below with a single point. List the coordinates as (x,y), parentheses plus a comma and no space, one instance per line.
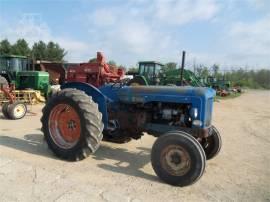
(80,116)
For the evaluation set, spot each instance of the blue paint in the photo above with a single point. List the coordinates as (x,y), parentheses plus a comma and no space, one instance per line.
(201,98)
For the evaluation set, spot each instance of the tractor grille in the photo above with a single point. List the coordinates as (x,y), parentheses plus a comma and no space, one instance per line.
(208,112)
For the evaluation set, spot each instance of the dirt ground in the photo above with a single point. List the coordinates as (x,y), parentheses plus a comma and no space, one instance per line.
(30,172)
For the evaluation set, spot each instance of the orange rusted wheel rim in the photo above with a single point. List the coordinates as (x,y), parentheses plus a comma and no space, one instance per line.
(64,126)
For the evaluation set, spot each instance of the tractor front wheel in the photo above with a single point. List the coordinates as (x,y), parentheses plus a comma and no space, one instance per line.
(212,144)
(72,124)
(178,158)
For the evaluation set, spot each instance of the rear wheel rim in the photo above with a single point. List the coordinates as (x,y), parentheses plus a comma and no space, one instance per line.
(64,126)
(175,160)
(19,110)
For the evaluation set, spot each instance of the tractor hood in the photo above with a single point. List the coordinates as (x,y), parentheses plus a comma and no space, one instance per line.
(197,97)
(176,94)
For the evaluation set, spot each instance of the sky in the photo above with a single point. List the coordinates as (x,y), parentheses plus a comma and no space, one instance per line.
(231,33)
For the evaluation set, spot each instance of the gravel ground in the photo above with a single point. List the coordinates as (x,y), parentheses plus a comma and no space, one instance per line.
(30,172)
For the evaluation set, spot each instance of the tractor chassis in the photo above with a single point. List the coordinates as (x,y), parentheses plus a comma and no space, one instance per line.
(159,129)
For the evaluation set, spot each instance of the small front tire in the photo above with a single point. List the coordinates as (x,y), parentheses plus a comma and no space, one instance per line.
(212,144)
(178,158)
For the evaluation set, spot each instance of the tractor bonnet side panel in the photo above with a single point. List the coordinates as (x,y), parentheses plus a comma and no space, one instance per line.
(200,98)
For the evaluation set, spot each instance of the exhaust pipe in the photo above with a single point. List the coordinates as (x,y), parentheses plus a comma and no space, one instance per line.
(182,67)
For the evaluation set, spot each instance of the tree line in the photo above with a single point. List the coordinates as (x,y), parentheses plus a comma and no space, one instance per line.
(238,77)
(39,51)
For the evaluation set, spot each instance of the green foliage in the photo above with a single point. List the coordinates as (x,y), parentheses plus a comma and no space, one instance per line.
(20,48)
(40,50)
(92,60)
(250,79)
(111,62)
(133,69)
(241,77)
(202,72)
(55,52)
(5,47)
(169,66)
(215,68)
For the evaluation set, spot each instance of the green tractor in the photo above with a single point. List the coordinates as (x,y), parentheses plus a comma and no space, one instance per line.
(18,70)
(10,65)
(151,73)
(173,77)
(218,84)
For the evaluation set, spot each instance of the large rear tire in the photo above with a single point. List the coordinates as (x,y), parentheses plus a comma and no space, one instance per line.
(72,124)
(178,158)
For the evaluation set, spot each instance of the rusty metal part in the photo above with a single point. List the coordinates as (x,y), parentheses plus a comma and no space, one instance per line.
(57,72)
(8,93)
(175,160)
(64,126)
(95,73)
(130,126)
(223,93)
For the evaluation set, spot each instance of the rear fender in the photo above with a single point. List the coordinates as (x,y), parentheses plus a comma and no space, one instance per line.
(96,95)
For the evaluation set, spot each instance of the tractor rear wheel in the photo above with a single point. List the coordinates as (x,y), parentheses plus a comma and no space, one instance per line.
(212,144)
(5,110)
(17,110)
(178,158)
(72,124)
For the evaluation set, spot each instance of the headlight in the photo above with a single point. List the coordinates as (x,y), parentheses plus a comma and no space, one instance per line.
(197,123)
(194,113)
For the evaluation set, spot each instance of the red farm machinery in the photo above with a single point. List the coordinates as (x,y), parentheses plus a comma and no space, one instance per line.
(95,73)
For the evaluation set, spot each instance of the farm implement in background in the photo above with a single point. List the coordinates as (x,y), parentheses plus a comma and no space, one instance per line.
(12,108)
(153,73)
(31,86)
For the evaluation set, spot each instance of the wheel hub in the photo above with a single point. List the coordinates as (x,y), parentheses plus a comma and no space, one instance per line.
(175,160)
(71,124)
(19,110)
(64,126)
